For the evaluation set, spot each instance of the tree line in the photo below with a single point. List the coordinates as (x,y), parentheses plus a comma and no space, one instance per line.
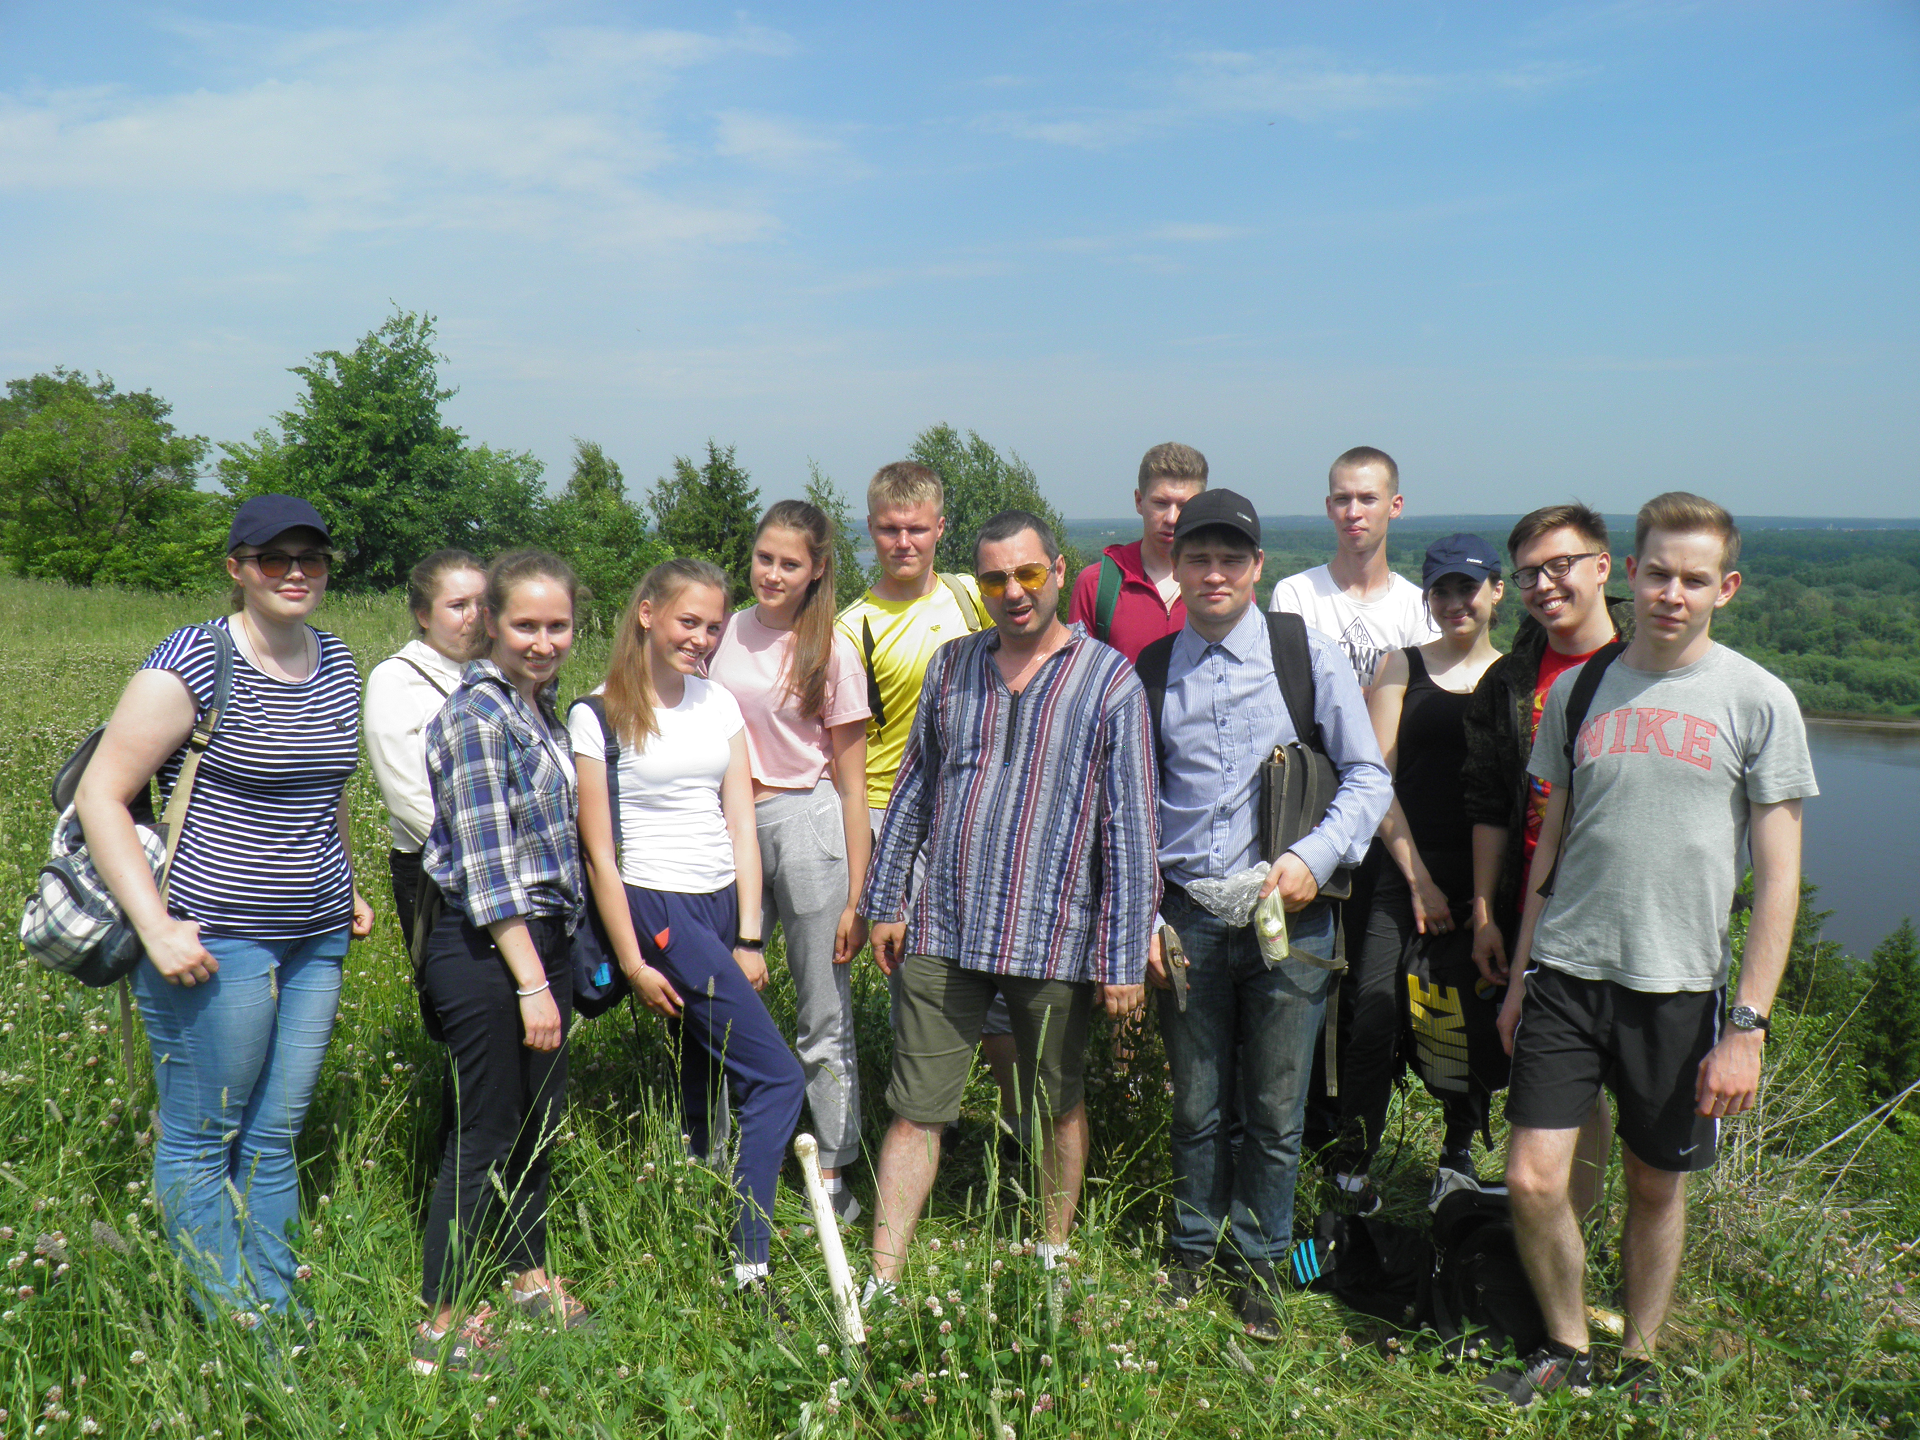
(98,486)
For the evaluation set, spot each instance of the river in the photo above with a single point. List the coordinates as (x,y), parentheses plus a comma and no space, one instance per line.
(1862,844)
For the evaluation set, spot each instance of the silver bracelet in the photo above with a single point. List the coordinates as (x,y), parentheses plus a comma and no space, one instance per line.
(543,985)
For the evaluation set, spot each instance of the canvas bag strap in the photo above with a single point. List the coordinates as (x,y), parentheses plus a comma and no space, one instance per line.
(969,607)
(599,708)
(425,674)
(174,819)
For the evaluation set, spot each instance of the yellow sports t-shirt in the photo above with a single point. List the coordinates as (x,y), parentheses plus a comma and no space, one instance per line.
(895,640)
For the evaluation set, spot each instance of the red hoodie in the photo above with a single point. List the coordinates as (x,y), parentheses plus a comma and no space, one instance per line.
(1140,617)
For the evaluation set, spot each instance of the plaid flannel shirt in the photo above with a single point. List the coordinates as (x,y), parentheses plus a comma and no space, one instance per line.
(505,837)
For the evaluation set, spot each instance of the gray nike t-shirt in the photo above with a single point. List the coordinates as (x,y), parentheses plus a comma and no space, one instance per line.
(1665,768)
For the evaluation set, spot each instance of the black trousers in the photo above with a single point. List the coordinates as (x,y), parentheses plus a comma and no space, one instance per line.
(504,1103)
(404,867)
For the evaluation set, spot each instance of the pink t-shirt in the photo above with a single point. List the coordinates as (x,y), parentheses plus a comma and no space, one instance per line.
(786,750)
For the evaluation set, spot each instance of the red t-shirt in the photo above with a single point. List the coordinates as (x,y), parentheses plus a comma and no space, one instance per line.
(1141,616)
(1552,666)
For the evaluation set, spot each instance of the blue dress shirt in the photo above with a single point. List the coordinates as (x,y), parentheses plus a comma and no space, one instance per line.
(1221,719)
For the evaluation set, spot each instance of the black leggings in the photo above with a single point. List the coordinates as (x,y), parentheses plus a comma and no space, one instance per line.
(404,867)
(503,1106)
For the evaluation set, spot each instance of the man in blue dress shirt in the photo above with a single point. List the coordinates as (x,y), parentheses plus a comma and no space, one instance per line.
(1247,1026)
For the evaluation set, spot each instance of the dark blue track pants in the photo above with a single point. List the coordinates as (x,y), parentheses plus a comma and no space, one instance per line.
(724,1029)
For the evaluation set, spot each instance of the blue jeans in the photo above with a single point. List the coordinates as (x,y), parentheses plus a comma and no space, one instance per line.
(1246,1029)
(235,1061)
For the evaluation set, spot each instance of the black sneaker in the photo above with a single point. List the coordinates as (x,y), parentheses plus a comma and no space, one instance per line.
(1638,1383)
(1186,1278)
(1256,1291)
(1552,1367)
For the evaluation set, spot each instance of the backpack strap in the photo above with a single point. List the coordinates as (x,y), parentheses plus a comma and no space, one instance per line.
(970,610)
(174,819)
(875,702)
(1107,600)
(1579,701)
(425,674)
(598,706)
(1293,668)
(1152,667)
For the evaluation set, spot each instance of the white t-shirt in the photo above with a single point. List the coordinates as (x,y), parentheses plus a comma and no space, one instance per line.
(673,836)
(1364,630)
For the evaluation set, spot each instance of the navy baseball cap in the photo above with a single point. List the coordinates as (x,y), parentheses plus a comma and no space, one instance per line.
(261,518)
(1218,507)
(1460,555)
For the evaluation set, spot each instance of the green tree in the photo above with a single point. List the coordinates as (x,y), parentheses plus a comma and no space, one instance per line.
(709,510)
(367,445)
(849,575)
(979,484)
(1820,979)
(96,485)
(603,534)
(1890,1041)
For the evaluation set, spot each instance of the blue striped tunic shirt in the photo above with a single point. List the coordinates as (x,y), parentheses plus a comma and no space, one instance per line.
(260,856)
(1038,811)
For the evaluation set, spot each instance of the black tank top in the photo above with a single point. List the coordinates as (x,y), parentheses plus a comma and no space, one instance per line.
(1432,745)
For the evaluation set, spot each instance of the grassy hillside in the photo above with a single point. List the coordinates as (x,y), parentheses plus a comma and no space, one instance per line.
(1792,1318)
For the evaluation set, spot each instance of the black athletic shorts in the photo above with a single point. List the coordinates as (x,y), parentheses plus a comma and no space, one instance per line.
(1576,1035)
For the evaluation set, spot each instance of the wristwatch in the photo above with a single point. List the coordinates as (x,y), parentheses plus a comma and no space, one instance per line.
(1745,1017)
(740,942)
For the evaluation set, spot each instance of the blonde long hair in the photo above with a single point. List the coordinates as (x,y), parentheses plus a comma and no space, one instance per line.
(629,695)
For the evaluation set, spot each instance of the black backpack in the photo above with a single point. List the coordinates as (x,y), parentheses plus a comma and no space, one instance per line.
(1373,1266)
(599,983)
(1477,1298)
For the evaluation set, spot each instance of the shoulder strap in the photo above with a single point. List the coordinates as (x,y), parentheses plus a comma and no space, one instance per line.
(425,674)
(1293,668)
(174,819)
(1108,598)
(969,607)
(1416,664)
(1579,701)
(1152,667)
(875,701)
(598,706)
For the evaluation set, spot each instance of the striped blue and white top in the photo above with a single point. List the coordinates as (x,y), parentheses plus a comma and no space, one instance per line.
(261,856)
(1038,814)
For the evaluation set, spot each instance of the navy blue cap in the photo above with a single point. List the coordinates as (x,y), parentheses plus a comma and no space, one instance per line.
(1218,507)
(1460,555)
(261,518)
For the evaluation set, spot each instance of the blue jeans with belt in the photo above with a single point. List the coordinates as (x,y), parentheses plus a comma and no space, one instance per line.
(1247,1029)
(235,1060)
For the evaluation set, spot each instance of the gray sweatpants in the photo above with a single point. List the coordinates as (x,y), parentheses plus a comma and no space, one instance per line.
(803,864)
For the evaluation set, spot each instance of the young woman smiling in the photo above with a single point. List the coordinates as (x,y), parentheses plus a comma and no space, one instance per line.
(803,693)
(1418,705)
(680,894)
(242,976)
(497,976)
(407,689)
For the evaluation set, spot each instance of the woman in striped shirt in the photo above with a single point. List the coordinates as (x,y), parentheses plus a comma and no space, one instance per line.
(497,976)
(242,977)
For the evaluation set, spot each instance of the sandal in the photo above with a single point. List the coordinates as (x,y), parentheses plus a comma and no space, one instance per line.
(552,1306)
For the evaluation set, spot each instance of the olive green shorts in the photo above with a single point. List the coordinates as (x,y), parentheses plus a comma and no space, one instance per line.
(937,1024)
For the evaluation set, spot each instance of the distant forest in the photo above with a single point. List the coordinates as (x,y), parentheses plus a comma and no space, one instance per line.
(1835,613)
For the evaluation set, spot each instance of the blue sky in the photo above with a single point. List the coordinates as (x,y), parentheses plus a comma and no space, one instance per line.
(1534,251)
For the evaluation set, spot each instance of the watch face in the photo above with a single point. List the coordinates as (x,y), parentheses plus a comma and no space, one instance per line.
(1744,1017)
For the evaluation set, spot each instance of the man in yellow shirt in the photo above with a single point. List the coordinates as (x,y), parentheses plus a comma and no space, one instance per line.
(911,611)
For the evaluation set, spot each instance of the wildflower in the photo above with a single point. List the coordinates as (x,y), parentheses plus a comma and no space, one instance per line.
(946,1327)
(1043,1405)
(303,1272)
(1046,1362)
(25,1292)
(933,1244)
(1205,1404)
(822,1350)
(138,1357)
(623,1372)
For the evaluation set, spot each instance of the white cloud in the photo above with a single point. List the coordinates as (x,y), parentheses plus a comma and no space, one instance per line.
(446,124)
(780,144)
(1306,86)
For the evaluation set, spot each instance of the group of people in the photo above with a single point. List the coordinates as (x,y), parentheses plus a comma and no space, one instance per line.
(1029,819)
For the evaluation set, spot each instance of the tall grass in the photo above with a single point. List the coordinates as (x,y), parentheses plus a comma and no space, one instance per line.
(1789,1322)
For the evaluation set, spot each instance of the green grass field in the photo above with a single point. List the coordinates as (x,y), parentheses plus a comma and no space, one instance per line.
(1792,1320)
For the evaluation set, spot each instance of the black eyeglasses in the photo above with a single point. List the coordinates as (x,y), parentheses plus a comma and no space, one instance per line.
(276,564)
(1031,577)
(1528,576)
